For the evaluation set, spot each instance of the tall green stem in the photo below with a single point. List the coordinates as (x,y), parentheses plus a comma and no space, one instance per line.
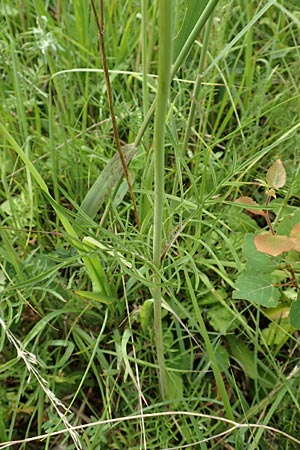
(164,77)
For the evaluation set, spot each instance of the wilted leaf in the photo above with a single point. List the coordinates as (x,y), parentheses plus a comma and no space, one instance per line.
(276,175)
(295,234)
(273,244)
(248,201)
(257,288)
(295,313)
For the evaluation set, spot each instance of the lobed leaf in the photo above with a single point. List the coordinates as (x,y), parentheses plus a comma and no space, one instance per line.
(276,175)
(273,244)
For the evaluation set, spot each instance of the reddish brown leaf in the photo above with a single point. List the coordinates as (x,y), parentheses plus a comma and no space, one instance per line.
(295,234)
(276,175)
(272,244)
(248,201)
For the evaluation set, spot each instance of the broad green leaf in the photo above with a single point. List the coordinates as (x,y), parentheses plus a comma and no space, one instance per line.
(277,333)
(295,313)
(106,182)
(273,244)
(243,355)
(248,204)
(222,356)
(288,221)
(174,386)
(220,318)
(256,288)
(276,175)
(295,234)
(254,368)
(255,260)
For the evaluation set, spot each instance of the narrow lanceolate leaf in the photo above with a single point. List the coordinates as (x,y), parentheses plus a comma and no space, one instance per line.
(295,234)
(249,203)
(194,9)
(257,288)
(295,313)
(106,182)
(276,175)
(273,244)
(96,296)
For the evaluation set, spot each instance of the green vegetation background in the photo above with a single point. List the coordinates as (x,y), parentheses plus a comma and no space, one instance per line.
(61,338)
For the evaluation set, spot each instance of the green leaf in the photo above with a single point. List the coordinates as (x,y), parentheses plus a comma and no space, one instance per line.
(257,288)
(277,333)
(96,296)
(222,356)
(96,273)
(146,314)
(287,222)
(174,386)
(255,260)
(106,182)
(221,319)
(254,368)
(243,355)
(276,175)
(193,12)
(295,313)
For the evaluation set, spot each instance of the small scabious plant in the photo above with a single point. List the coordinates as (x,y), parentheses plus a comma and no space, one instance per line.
(272,257)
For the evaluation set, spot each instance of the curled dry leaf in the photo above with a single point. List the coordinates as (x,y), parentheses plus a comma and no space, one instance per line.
(276,175)
(248,202)
(273,244)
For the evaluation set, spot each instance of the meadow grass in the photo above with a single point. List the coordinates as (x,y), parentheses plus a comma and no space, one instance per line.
(78,279)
